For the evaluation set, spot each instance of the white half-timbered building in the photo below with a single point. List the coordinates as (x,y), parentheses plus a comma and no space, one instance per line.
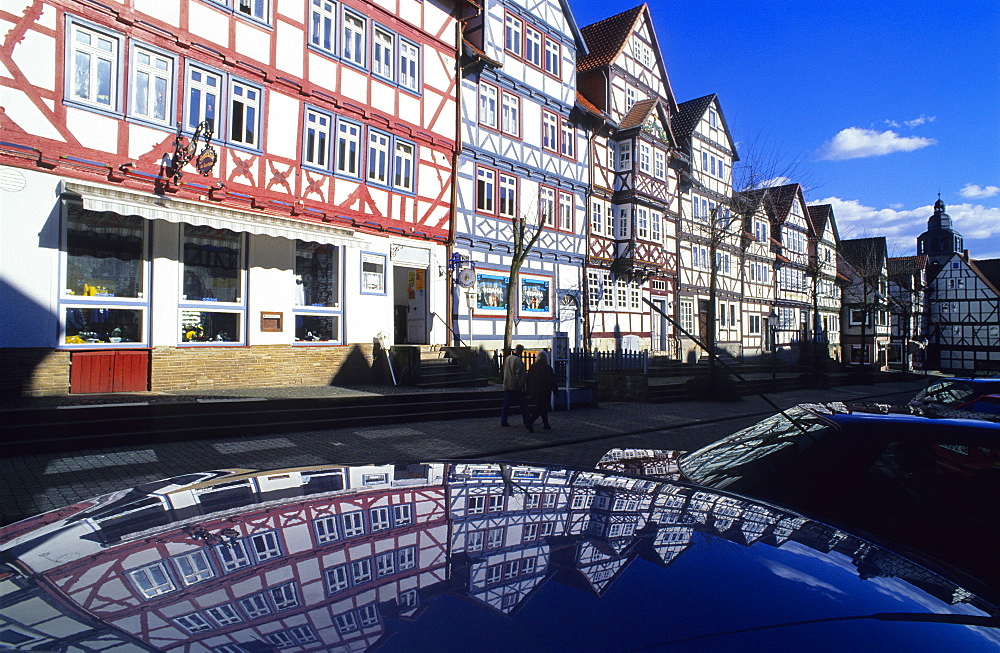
(632,254)
(758,278)
(523,157)
(824,240)
(709,238)
(196,188)
(503,517)
(907,314)
(963,301)
(326,568)
(865,305)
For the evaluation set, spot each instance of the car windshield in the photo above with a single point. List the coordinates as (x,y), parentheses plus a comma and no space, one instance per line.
(949,393)
(740,455)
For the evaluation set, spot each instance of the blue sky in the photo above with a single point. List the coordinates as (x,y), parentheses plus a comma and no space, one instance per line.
(875,107)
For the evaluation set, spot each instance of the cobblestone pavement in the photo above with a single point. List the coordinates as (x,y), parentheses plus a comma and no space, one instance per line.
(37,483)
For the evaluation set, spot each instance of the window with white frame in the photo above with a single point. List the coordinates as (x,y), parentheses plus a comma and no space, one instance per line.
(316,138)
(152,580)
(353,39)
(408,598)
(567,139)
(532,500)
(402,514)
(361,571)
(631,96)
(194,567)
(754,324)
(326,530)
(495,503)
(553,55)
(476,504)
(204,89)
(94,59)
(256,9)
(642,222)
(193,623)
(244,114)
(406,558)
(593,288)
(687,315)
(547,206)
(409,65)
(625,157)
(529,532)
(660,164)
(265,545)
(368,615)
(284,597)
(488,105)
(624,223)
(354,523)
(323,24)
(378,157)
(385,563)
(645,157)
(596,217)
(513,28)
(510,115)
(151,89)
(232,555)
(380,519)
(485,189)
(475,541)
(550,131)
(279,639)
(224,615)
(255,606)
(403,164)
(656,226)
(566,211)
(634,292)
(383,52)
(533,46)
(337,579)
(508,196)
(348,148)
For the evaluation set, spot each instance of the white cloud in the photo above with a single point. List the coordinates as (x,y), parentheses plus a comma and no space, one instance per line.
(916,122)
(976,192)
(901,227)
(799,576)
(855,143)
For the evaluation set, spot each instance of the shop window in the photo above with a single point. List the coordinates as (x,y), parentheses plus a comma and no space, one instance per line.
(317,292)
(213,274)
(104,296)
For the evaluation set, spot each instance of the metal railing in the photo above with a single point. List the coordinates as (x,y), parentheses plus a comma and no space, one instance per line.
(585,366)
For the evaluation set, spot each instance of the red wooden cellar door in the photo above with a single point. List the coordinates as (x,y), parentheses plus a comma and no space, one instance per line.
(108,371)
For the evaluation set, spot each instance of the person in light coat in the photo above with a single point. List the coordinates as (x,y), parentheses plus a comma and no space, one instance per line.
(514,386)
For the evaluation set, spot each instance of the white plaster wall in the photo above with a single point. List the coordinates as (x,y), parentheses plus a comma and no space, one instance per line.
(253,42)
(168,12)
(290,43)
(366,315)
(271,288)
(209,23)
(94,130)
(29,258)
(282,131)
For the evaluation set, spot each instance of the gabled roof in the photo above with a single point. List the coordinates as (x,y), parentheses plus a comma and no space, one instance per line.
(866,255)
(589,106)
(821,215)
(905,265)
(606,39)
(777,200)
(638,114)
(989,271)
(691,112)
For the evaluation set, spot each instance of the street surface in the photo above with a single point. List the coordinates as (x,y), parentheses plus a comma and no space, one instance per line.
(37,483)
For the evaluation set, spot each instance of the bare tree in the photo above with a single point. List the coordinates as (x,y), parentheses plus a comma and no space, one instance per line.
(525,236)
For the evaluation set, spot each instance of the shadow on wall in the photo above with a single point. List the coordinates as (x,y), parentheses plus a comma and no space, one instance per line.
(358,367)
(24,319)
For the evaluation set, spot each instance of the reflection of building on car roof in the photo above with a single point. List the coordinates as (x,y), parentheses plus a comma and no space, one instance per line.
(970,394)
(357,556)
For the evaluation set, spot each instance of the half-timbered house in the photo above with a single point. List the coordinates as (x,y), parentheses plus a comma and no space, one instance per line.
(907,315)
(757,280)
(325,568)
(865,305)
(710,235)
(194,189)
(822,277)
(523,162)
(632,253)
(963,301)
(503,517)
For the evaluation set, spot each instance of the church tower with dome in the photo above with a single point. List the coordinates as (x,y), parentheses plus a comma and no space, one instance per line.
(940,242)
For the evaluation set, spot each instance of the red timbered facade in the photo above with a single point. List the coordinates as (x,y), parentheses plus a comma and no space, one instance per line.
(220,184)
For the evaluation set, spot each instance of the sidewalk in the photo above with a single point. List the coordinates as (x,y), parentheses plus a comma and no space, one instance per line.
(37,483)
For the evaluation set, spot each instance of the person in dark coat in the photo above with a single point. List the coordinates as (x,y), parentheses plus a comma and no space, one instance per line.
(541,386)
(514,387)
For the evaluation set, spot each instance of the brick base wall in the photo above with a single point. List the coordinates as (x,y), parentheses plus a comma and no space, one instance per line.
(41,371)
(192,368)
(33,372)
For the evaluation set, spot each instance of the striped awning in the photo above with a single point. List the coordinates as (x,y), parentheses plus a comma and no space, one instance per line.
(98,197)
